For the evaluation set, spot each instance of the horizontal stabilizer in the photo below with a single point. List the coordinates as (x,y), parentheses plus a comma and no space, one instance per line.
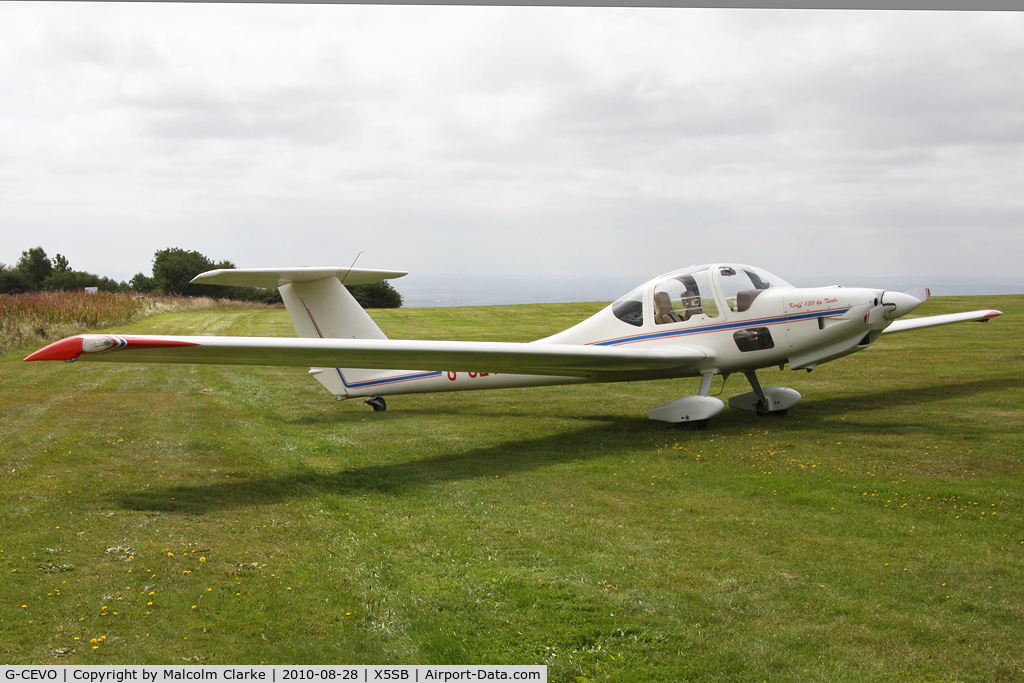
(269,278)
(930,320)
(922,294)
(500,357)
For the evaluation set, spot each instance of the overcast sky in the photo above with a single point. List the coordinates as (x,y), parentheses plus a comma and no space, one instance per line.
(594,144)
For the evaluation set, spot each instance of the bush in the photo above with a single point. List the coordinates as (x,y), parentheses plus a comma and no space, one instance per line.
(378,295)
(13,281)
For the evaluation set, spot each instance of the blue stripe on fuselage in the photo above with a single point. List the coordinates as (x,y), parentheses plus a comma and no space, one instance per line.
(370,382)
(718,327)
(386,380)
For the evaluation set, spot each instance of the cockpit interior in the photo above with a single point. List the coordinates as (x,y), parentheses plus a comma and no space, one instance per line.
(696,294)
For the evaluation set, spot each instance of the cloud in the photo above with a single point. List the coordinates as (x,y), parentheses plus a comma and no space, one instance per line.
(511,141)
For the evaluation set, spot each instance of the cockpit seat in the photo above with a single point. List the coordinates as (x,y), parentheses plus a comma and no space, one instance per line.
(663,312)
(691,300)
(745,297)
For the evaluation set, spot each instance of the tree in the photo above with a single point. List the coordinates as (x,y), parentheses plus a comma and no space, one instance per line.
(107,284)
(34,265)
(173,270)
(36,272)
(141,283)
(63,278)
(377,295)
(70,281)
(60,264)
(13,281)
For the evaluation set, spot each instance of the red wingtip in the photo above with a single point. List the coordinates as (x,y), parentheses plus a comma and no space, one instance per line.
(65,349)
(991,314)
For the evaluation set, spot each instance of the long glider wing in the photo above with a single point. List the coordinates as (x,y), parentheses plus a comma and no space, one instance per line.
(903,325)
(569,360)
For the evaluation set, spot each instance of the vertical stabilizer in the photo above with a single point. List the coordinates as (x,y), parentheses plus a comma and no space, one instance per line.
(324,308)
(320,306)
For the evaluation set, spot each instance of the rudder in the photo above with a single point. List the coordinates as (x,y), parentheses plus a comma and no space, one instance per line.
(319,306)
(325,309)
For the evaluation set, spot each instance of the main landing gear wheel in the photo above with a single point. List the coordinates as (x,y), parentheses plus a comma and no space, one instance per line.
(773,401)
(761,412)
(690,412)
(378,404)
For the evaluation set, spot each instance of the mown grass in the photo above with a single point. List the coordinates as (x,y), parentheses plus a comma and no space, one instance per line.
(874,534)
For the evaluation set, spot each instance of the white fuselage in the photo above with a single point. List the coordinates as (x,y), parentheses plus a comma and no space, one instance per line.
(779,324)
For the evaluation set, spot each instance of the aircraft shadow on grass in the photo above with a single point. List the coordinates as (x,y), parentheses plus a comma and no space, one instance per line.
(594,441)
(602,436)
(887,398)
(811,412)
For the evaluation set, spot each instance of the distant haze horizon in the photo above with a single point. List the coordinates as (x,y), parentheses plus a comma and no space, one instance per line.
(454,290)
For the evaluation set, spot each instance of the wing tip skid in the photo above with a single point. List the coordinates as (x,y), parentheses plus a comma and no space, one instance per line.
(71,348)
(68,348)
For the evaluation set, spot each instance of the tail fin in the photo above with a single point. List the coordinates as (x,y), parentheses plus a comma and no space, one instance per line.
(324,308)
(319,306)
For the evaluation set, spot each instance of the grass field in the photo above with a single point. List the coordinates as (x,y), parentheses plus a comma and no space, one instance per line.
(175,514)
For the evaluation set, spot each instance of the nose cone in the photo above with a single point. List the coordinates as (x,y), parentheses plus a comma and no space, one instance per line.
(898,304)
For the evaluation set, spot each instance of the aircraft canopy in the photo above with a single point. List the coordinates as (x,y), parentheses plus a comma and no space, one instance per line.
(696,293)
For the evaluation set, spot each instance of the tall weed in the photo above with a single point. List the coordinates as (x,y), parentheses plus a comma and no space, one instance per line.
(45,317)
